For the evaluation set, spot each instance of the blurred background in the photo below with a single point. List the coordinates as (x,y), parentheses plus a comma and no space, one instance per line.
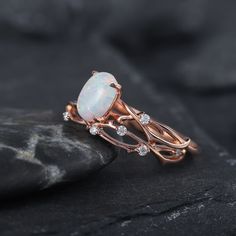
(187,48)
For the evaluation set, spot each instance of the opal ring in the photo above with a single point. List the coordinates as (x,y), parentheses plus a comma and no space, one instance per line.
(100,108)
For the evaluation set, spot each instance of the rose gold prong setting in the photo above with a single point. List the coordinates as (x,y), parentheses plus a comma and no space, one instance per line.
(116,86)
(94,72)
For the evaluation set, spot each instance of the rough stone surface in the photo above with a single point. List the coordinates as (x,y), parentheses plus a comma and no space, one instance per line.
(38,150)
(39,17)
(213,68)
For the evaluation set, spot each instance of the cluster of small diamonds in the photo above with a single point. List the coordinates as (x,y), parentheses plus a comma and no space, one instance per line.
(121,130)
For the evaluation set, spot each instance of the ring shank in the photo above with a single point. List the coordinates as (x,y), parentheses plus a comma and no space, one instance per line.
(192,147)
(166,143)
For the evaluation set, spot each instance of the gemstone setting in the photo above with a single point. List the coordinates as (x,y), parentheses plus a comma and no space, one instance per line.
(121,130)
(97,96)
(94,130)
(178,152)
(144,119)
(143,150)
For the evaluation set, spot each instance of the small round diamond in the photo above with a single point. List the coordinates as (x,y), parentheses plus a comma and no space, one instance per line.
(178,152)
(143,150)
(66,116)
(121,130)
(144,119)
(94,130)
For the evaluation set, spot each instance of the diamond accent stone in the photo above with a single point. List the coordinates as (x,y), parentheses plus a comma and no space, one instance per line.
(144,119)
(178,152)
(94,130)
(66,116)
(121,130)
(143,150)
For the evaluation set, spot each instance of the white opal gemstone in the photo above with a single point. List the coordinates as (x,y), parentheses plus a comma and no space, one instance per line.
(97,96)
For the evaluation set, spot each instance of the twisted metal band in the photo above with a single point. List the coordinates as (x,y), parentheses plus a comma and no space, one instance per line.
(167,144)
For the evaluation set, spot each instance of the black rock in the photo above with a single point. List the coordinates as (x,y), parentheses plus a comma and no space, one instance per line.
(213,68)
(39,17)
(38,150)
(141,25)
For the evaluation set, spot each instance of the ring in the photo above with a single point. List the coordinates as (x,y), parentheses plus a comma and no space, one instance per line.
(100,108)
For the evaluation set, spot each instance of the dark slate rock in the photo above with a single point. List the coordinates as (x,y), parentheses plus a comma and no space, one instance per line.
(40,17)
(38,150)
(156,19)
(214,65)
(143,26)
(138,196)
(217,105)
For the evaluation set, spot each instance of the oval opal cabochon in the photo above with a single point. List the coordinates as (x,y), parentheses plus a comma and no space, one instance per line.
(96,96)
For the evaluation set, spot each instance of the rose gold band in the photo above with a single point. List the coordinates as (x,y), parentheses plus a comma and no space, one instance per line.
(144,136)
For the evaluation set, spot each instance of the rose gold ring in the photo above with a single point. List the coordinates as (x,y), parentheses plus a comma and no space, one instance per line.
(99,107)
